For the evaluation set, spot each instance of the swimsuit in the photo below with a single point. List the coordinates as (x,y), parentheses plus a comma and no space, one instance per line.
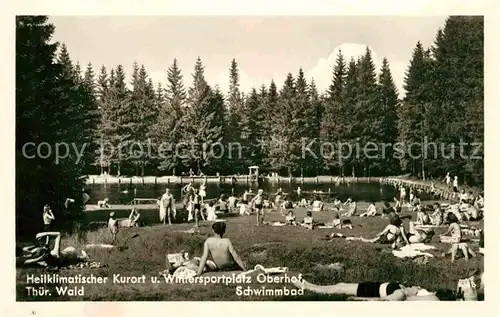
(372,289)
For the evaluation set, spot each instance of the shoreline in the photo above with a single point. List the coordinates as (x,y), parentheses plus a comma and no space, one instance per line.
(324,179)
(440,187)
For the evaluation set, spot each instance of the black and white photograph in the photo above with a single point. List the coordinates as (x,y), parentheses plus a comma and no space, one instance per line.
(249,158)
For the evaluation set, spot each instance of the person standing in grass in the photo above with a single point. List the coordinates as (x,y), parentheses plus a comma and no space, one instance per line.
(455,186)
(112,226)
(195,202)
(258,204)
(203,191)
(447,180)
(166,209)
(48,218)
(402,194)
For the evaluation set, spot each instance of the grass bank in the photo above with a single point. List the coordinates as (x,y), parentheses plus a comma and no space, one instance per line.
(294,247)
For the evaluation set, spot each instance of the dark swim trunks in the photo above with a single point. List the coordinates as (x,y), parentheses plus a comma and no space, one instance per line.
(258,206)
(372,289)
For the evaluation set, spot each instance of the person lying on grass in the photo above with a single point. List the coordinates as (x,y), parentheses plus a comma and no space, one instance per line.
(221,250)
(45,256)
(371,211)
(377,291)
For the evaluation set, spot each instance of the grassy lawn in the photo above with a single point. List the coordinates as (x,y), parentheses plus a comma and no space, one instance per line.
(297,248)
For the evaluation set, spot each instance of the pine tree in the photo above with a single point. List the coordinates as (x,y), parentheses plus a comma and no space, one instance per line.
(388,95)
(280,147)
(235,103)
(368,111)
(118,120)
(334,119)
(54,110)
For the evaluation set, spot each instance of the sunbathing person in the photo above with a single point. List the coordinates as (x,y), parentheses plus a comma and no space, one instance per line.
(341,223)
(46,256)
(308,221)
(317,205)
(388,291)
(456,239)
(415,235)
(422,218)
(397,203)
(103,203)
(479,202)
(352,209)
(391,234)
(371,211)
(221,250)
(437,216)
(471,213)
(337,203)
(133,218)
(290,219)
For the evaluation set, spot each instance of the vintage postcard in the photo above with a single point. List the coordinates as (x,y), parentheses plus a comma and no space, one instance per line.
(249,158)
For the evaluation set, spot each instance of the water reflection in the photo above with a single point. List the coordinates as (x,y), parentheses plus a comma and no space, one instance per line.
(124,193)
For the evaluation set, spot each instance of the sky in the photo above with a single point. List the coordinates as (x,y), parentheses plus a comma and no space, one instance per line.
(265,47)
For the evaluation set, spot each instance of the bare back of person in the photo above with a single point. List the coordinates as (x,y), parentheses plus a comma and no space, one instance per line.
(220,250)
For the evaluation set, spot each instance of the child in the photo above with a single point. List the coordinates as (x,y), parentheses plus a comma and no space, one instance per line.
(112,226)
(371,211)
(222,251)
(309,220)
(290,219)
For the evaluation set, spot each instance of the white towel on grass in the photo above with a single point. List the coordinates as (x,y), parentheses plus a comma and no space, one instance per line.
(411,251)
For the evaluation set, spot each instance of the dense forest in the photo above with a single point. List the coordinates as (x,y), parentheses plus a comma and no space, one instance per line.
(58,101)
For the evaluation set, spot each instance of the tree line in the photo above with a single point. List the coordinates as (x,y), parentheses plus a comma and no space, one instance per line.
(57,101)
